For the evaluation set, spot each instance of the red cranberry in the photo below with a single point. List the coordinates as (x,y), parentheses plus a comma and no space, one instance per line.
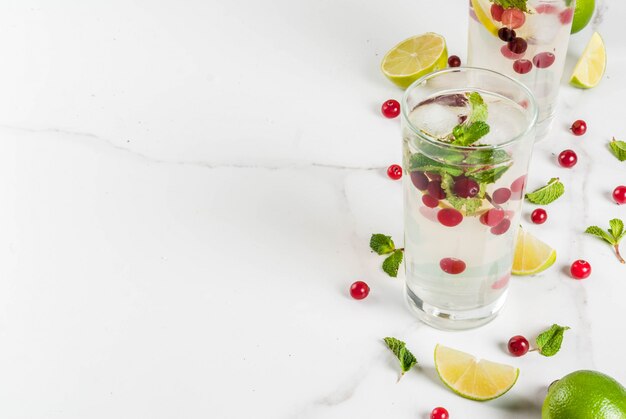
(546,9)
(522,66)
(568,158)
(566,16)
(580,269)
(506,34)
(439,413)
(501,283)
(543,59)
(433,176)
(430,201)
(501,195)
(508,54)
(435,190)
(513,18)
(454,61)
(391,108)
(501,228)
(539,216)
(449,217)
(518,345)
(419,179)
(394,172)
(619,195)
(452,266)
(466,187)
(517,187)
(518,45)
(359,290)
(579,127)
(493,217)
(496,12)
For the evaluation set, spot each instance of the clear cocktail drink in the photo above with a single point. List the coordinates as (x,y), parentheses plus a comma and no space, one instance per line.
(528,44)
(463,191)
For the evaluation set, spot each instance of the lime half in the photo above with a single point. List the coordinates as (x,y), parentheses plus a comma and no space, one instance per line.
(414,58)
(582,14)
(473,378)
(591,65)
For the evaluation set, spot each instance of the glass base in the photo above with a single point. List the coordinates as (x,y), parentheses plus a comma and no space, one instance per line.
(453,319)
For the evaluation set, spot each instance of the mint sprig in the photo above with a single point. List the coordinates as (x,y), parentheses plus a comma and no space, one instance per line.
(516,4)
(384,245)
(547,194)
(549,342)
(612,236)
(406,358)
(467,134)
(618,148)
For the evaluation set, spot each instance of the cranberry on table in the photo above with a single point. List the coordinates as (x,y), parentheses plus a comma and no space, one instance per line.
(522,66)
(439,413)
(394,172)
(568,158)
(580,269)
(513,18)
(452,266)
(579,127)
(496,12)
(429,201)
(506,34)
(501,195)
(419,180)
(539,216)
(466,187)
(619,194)
(544,59)
(449,217)
(518,345)
(454,61)
(359,290)
(391,108)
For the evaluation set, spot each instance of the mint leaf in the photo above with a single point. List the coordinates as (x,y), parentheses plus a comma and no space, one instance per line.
(478,108)
(382,244)
(406,358)
(612,236)
(392,263)
(487,157)
(618,148)
(465,135)
(598,232)
(488,175)
(516,4)
(549,341)
(426,164)
(547,194)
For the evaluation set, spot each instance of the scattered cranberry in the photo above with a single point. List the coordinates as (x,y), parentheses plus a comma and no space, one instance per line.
(543,59)
(466,187)
(435,190)
(452,266)
(517,187)
(579,127)
(501,195)
(449,217)
(496,12)
(518,345)
(394,172)
(513,18)
(439,413)
(433,176)
(539,216)
(391,108)
(493,217)
(518,45)
(430,201)
(419,180)
(454,61)
(522,66)
(506,34)
(508,54)
(566,16)
(619,194)
(501,228)
(359,290)
(568,158)
(580,269)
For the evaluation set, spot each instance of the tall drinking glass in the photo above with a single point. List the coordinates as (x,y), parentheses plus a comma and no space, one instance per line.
(529,45)
(463,192)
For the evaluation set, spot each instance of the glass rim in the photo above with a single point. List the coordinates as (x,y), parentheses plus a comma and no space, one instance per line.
(432,140)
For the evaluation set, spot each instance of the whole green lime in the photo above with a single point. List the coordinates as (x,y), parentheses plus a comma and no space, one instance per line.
(582,14)
(585,395)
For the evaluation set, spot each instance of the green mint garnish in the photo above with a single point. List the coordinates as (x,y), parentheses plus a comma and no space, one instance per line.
(484,175)
(478,108)
(467,134)
(547,194)
(618,148)
(612,236)
(383,245)
(549,341)
(487,157)
(516,4)
(425,164)
(392,263)
(406,358)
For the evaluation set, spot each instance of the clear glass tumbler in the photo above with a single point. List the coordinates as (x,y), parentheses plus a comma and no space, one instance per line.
(529,45)
(463,192)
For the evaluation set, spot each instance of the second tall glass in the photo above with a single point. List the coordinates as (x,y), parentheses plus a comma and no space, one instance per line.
(529,45)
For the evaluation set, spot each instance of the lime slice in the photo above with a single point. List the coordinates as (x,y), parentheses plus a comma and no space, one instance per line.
(591,65)
(481,9)
(473,378)
(531,255)
(414,58)
(582,14)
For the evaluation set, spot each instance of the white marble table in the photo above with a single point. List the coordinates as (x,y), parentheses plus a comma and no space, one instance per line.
(188,190)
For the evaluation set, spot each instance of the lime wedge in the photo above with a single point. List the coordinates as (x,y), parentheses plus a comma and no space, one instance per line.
(582,14)
(414,58)
(481,9)
(472,378)
(591,65)
(531,255)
